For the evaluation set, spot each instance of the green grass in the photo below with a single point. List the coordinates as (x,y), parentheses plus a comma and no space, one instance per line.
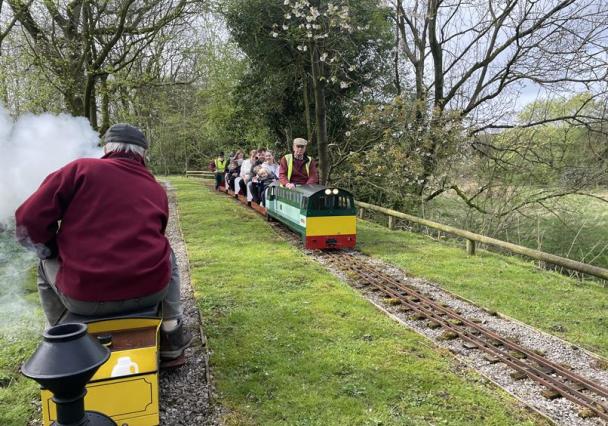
(293,345)
(20,331)
(560,305)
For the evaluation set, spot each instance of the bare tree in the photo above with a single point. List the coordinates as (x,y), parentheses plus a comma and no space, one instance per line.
(7,22)
(471,60)
(80,42)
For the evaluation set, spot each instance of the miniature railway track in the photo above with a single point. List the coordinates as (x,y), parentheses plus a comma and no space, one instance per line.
(555,377)
(558,379)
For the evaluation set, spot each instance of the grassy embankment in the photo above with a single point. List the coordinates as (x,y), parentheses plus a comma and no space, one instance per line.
(552,302)
(20,331)
(293,345)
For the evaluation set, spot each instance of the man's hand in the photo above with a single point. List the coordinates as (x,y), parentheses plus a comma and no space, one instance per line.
(290,185)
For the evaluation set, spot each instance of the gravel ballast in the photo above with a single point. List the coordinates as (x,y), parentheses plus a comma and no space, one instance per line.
(559,410)
(185,392)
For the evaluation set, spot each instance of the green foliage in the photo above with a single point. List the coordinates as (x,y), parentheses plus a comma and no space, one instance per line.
(293,345)
(24,87)
(274,83)
(560,153)
(20,331)
(385,164)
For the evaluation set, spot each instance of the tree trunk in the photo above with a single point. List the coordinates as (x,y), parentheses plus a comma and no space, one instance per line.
(93,108)
(105,105)
(306,106)
(396,58)
(321,117)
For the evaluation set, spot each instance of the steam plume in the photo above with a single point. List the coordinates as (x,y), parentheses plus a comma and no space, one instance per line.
(31,147)
(34,146)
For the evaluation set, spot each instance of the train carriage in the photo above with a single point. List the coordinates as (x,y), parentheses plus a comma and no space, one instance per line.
(324,217)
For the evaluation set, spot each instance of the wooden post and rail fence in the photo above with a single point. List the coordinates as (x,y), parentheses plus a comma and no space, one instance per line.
(200,173)
(472,239)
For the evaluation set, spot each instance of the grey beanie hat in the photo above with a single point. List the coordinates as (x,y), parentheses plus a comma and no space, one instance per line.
(125,133)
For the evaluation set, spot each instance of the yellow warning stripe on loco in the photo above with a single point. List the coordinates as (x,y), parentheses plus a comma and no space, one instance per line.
(331,225)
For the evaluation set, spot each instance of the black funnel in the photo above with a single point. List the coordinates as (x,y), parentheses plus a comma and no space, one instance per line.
(64,362)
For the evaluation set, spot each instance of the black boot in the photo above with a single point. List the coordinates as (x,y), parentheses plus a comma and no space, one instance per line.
(173,343)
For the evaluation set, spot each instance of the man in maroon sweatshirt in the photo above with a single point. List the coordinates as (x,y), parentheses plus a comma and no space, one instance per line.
(98,226)
(297,168)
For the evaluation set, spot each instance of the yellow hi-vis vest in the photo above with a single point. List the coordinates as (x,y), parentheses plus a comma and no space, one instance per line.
(220,165)
(289,158)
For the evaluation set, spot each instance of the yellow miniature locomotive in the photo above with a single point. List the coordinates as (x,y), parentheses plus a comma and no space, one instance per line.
(125,386)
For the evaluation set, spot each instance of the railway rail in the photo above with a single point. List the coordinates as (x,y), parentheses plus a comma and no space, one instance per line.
(555,377)
(558,379)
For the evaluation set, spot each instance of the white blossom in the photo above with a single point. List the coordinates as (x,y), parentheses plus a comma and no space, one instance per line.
(274,34)
(344,84)
(323,57)
(285,27)
(347,134)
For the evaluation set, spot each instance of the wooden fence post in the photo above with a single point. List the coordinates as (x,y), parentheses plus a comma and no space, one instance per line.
(361,212)
(471,247)
(391,222)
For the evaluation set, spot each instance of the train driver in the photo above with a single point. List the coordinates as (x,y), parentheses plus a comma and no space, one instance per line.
(298,168)
(98,226)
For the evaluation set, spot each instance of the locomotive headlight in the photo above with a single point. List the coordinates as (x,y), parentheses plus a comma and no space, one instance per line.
(328,191)
(335,191)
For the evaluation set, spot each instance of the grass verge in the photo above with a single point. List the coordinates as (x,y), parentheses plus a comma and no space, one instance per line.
(20,332)
(293,345)
(547,300)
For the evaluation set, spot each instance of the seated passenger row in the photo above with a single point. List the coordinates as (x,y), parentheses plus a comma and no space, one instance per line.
(252,176)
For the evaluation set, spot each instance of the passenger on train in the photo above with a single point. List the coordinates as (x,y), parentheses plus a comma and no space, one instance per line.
(240,183)
(298,168)
(238,157)
(232,173)
(253,187)
(270,164)
(220,166)
(234,154)
(98,226)
(267,175)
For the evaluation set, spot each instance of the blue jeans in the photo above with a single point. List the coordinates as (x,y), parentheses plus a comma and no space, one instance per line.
(55,304)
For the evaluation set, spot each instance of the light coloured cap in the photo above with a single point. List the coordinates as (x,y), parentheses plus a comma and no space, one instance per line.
(300,141)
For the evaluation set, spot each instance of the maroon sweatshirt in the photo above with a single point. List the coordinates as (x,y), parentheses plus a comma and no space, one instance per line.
(111,241)
(298,174)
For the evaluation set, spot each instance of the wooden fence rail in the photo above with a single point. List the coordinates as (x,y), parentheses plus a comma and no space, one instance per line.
(200,173)
(472,238)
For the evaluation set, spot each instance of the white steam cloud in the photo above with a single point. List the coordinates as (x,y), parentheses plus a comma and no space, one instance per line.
(32,147)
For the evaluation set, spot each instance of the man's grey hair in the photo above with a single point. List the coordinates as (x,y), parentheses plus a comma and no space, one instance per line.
(125,147)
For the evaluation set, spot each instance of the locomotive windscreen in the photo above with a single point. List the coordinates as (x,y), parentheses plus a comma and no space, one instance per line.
(332,202)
